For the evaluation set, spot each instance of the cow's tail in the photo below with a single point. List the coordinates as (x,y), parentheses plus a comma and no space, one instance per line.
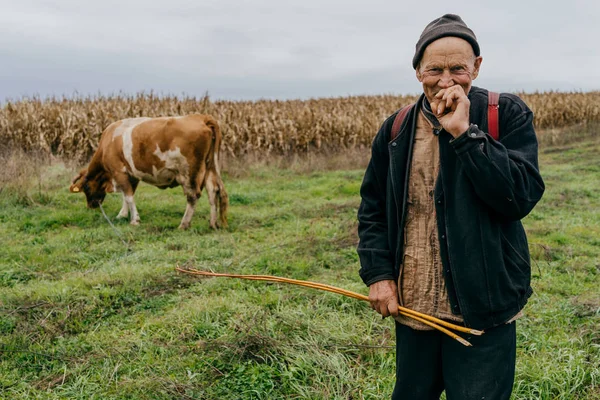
(212,160)
(212,164)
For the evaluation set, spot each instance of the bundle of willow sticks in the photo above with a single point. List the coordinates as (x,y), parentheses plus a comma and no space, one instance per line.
(433,322)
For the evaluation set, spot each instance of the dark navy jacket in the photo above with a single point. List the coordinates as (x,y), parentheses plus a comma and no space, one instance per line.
(483,190)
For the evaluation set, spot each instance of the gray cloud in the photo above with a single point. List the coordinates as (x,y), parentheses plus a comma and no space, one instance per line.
(271,49)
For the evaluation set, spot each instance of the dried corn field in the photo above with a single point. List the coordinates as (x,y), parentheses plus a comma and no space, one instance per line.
(71,128)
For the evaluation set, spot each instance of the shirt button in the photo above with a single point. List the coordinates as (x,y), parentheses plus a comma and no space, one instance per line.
(394,144)
(447,271)
(473,134)
(443,236)
(439,202)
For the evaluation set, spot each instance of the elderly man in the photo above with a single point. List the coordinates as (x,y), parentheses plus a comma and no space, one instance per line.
(439,223)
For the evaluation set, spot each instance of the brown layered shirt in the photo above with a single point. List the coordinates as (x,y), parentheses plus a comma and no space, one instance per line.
(421,285)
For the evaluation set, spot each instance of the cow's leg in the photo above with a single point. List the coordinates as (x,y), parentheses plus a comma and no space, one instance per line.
(223,202)
(212,189)
(128,185)
(124,213)
(192,199)
(133,212)
(216,194)
(192,188)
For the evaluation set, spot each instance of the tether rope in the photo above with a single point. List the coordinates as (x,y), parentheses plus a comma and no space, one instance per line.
(119,234)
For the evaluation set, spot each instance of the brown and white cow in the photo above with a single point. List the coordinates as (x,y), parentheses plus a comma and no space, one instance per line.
(165,152)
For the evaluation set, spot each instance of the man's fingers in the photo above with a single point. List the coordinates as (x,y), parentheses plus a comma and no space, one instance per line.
(445,103)
(451,107)
(379,306)
(450,99)
(384,310)
(381,294)
(393,308)
(439,108)
(447,97)
(448,92)
(455,90)
(386,307)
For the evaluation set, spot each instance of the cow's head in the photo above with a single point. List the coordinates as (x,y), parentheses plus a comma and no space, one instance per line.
(94,186)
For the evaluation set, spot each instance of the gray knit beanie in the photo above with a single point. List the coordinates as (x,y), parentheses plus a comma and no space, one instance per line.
(447,25)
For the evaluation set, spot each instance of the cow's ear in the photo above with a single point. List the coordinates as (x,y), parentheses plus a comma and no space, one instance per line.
(108,186)
(75,188)
(77,182)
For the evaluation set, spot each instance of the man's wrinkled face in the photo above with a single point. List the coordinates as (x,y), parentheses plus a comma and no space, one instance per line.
(447,62)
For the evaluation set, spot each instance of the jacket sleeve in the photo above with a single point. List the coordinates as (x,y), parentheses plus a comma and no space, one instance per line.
(373,247)
(504,173)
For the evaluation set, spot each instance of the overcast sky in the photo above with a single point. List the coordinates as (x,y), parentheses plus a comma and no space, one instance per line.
(283,49)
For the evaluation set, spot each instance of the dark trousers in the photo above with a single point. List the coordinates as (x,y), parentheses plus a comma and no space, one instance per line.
(429,362)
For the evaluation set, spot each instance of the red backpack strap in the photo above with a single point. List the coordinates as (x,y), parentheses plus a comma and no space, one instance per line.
(493,121)
(402,113)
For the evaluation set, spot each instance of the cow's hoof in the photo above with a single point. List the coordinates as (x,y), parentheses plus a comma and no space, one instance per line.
(119,216)
(135,223)
(183,227)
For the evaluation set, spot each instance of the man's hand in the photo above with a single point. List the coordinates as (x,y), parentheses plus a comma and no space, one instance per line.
(383,296)
(451,108)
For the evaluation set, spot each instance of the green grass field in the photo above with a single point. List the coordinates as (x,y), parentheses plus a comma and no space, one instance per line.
(84,316)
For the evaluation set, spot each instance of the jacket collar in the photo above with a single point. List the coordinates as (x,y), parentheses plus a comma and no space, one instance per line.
(426,107)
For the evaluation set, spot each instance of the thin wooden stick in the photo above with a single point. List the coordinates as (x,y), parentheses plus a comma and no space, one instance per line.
(329,288)
(424,318)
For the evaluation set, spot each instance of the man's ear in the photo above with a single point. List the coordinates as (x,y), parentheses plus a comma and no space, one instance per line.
(77,182)
(418,73)
(477,64)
